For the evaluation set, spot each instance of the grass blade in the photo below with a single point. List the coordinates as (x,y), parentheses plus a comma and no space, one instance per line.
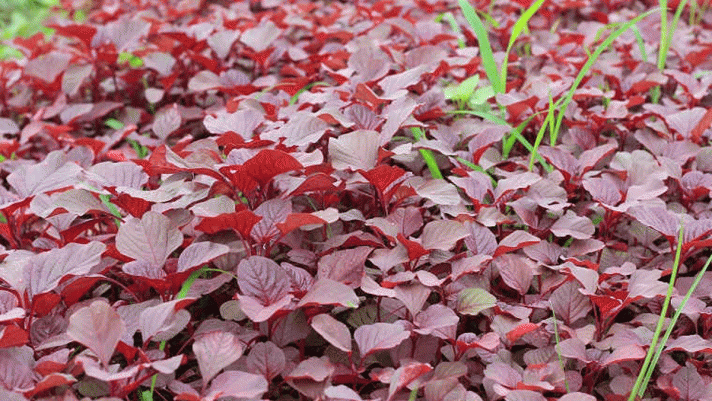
(427,154)
(517,30)
(557,340)
(482,115)
(641,43)
(638,387)
(671,326)
(485,47)
(587,67)
(453,25)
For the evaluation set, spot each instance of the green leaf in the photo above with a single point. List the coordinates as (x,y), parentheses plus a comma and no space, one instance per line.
(481,95)
(113,123)
(472,301)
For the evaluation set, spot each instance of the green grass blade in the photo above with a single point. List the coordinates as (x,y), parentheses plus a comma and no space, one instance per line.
(510,140)
(537,141)
(589,63)
(427,154)
(557,340)
(671,326)
(482,115)
(306,87)
(641,43)
(662,51)
(517,30)
(638,388)
(475,167)
(148,394)
(485,47)
(454,26)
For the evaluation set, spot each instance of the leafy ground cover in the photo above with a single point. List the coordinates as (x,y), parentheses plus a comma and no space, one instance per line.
(361,200)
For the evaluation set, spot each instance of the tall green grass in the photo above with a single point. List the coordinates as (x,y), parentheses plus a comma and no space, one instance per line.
(498,75)
(655,349)
(667,30)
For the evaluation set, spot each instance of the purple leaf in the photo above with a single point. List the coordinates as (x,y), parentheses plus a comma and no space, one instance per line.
(200,253)
(569,304)
(379,336)
(588,159)
(627,352)
(516,271)
(413,295)
(54,172)
(572,225)
(684,122)
(261,37)
(516,240)
(151,239)
(262,279)
(243,122)
(603,190)
(266,359)
(44,271)
(345,266)
(442,234)
(203,81)
(658,218)
(265,287)
(513,183)
(16,368)
(524,395)
(235,383)
(333,331)
(98,327)
(560,159)
(166,122)
(436,320)
(355,150)
(329,292)
(481,241)
(163,321)
(272,212)
(214,351)
(8,126)
(690,384)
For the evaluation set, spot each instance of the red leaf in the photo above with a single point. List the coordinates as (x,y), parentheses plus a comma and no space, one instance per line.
(383,176)
(297,220)
(364,93)
(516,240)
(704,124)
(405,375)
(524,328)
(51,381)
(12,336)
(242,222)
(269,163)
